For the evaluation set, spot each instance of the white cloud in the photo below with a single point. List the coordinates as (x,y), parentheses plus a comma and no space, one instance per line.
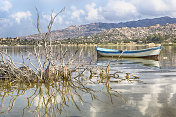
(124,10)
(159,5)
(46,17)
(21,15)
(5,5)
(93,12)
(5,23)
(58,19)
(76,13)
(82,12)
(119,10)
(155,7)
(150,7)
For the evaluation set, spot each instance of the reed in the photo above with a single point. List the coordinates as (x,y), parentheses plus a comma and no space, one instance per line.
(55,75)
(51,65)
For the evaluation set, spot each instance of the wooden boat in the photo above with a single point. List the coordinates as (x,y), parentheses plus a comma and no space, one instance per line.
(149,52)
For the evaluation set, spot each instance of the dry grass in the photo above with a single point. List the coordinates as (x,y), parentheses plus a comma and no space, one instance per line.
(51,65)
(64,78)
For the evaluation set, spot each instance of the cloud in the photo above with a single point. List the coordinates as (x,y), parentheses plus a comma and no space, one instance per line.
(151,7)
(76,13)
(93,12)
(125,10)
(119,10)
(47,17)
(79,12)
(5,5)
(155,7)
(8,28)
(5,23)
(21,15)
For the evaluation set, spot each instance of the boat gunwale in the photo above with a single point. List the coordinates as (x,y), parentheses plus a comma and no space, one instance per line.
(126,52)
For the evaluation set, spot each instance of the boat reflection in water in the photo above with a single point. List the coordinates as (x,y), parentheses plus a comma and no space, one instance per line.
(143,61)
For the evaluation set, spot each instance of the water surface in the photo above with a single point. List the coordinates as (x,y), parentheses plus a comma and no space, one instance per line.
(152,95)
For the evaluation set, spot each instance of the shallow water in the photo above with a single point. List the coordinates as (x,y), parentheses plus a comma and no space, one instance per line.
(152,95)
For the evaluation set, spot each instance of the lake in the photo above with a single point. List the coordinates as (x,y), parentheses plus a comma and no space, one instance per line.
(149,92)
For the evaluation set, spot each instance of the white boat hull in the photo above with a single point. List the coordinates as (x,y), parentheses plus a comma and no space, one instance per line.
(151,52)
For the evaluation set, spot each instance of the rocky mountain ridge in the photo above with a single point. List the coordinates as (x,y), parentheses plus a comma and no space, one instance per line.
(166,33)
(95,28)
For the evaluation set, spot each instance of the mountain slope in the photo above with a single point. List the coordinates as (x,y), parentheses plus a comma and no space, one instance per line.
(93,28)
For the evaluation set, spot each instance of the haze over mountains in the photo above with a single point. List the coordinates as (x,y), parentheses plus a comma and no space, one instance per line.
(94,28)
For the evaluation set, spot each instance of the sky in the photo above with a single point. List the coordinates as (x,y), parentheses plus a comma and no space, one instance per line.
(19,17)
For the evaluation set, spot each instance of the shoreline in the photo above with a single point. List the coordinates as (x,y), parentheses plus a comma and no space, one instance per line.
(108,44)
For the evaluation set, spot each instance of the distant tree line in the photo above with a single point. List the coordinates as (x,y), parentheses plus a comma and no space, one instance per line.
(16,41)
(156,38)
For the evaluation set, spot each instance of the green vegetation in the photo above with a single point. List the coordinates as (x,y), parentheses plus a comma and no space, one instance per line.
(156,38)
(16,41)
(56,82)
(48,65)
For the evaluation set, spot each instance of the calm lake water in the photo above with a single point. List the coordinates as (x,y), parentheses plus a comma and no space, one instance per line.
(152,95)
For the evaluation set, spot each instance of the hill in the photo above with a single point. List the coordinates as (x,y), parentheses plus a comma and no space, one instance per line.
(94,28)
(156,34)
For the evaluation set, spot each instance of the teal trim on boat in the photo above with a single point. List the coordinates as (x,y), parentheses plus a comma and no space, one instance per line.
(155,51)
(104,50)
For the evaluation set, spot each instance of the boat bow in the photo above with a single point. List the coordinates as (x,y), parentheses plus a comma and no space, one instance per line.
(149,52)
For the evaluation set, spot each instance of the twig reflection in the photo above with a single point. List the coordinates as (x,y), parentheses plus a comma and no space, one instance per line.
(49,99)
